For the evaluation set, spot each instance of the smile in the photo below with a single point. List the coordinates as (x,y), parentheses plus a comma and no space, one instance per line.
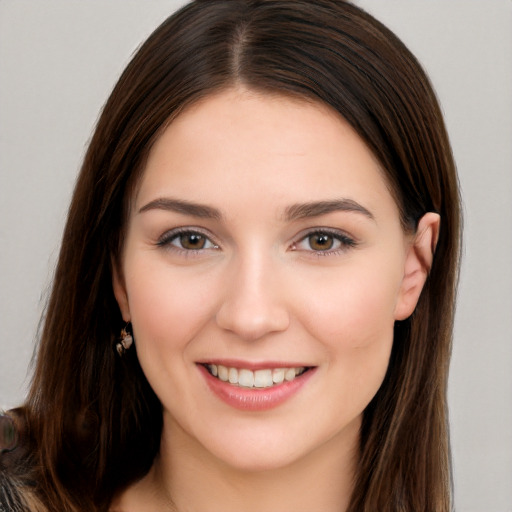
(261,379)
(258,388)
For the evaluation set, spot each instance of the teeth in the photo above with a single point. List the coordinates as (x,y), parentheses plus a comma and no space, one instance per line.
(245,378)
(222,372)
(263,378)
(233,376)
(257,379)
(278,375)
(289,374)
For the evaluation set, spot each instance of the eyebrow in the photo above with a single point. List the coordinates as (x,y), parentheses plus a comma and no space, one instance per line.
(184,207)
(293,212)
(315,209)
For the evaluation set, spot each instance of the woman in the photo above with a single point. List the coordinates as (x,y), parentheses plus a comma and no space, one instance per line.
(247,309)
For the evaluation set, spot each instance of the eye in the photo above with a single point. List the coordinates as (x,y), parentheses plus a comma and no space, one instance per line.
(187,240)
(324,241)
(321,241)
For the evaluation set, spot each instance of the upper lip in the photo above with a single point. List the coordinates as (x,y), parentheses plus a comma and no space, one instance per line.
(252,365)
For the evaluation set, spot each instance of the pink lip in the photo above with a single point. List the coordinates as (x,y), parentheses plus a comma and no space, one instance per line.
(237,363)
(254,399)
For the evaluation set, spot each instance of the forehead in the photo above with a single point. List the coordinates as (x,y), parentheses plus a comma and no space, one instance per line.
(230,146)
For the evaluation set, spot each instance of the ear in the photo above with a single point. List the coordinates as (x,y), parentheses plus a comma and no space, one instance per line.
(120,292)
(417,266)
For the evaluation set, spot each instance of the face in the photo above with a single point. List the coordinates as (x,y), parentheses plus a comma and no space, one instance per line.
(263,270)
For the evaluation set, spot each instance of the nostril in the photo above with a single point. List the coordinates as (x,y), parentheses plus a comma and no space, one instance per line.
(252,320)
(252,325)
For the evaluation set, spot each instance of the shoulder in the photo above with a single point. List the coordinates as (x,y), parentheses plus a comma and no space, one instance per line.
(15,483)
(12,497)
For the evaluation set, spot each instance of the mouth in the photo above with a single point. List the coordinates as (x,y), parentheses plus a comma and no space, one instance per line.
(253,387)
(255,379)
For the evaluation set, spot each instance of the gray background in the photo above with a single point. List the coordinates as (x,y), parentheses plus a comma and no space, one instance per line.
(58,62)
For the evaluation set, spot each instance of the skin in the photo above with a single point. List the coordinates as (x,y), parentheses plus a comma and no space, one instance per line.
(261,289)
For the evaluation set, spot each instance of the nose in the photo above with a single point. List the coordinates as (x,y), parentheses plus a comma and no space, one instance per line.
(253,303)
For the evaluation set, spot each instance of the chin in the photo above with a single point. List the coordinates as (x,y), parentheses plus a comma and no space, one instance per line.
(257,452)
(254,461)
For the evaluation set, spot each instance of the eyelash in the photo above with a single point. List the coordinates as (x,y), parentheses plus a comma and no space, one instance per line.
(166,240)
(345,241)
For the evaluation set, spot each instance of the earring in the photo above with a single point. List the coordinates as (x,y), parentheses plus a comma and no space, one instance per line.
(8,434)
(126,340)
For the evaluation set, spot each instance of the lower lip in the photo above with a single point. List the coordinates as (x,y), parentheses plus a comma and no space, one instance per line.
(262,399)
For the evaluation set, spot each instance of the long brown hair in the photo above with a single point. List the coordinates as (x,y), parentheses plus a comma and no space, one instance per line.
(92,422)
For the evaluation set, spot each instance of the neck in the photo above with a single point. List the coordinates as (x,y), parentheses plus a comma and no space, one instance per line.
(198,481)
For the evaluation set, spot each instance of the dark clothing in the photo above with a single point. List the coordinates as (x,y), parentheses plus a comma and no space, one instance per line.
(13,469)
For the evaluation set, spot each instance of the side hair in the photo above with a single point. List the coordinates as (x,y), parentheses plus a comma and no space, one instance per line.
(93,422)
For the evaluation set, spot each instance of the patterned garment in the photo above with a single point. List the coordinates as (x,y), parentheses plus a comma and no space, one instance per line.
(11,469)
(11,499)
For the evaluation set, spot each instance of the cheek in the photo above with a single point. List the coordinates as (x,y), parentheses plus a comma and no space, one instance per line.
(167,307)
(356,310)
(353,319)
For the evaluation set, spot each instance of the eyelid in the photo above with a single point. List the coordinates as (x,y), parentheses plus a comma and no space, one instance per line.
(165,239)
(347,241)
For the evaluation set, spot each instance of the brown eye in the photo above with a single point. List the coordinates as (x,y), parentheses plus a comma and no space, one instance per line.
(321,241)
(324,242)
(186,241)
(192,241)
